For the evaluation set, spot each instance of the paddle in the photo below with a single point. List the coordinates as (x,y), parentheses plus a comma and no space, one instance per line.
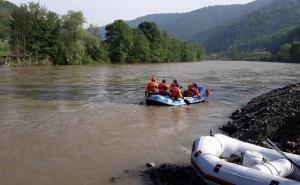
(186,101)
(142,102)
(272,145)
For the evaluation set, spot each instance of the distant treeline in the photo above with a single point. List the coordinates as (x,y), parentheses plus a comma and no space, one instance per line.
(40,35)
(289,52)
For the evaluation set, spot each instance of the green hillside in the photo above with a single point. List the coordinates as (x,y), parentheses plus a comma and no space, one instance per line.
(266,28)
(187,25)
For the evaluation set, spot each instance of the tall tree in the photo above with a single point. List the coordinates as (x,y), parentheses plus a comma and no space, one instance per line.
(72,36)
(35,32)
(21,29)
(119,39)
(141,48)
(95,50)
(151,31)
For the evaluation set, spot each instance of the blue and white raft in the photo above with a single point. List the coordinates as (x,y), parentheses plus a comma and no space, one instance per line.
(166,100)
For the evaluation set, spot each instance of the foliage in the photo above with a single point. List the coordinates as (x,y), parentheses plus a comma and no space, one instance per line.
(21,28)
(146,44)
(119,39)
(35,32)
(284,52)
(72,35)
(295,52)
(6,9)
(4,45)
(95,50)
(259,56)
(140,50)
(38,34)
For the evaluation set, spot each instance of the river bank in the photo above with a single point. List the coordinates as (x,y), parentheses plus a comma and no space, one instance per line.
(274,115)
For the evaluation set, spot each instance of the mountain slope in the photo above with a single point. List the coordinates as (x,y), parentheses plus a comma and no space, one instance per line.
(256,30)
(187,25)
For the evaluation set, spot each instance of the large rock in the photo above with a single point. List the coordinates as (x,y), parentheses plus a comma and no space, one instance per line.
(274,115)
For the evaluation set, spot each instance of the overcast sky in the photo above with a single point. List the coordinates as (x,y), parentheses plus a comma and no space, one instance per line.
(102,12)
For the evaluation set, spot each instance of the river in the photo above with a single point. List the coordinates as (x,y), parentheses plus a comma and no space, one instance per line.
(82,125)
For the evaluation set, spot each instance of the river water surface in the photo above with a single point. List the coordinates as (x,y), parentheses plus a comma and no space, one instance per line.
(82,125)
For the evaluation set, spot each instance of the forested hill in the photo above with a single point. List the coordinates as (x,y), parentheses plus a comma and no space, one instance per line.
(264,29)
(6,9)
(187,25)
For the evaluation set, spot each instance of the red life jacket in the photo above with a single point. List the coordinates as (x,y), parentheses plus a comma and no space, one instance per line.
(195,90)
(175,92)
(189,93)
(163,88)
(173,84)
(152,87)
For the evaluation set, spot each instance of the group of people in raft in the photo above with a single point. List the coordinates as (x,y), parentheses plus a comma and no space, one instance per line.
(174,90)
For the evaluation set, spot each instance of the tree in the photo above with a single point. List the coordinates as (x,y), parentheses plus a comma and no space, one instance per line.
(21,29)
(140,50)
(35,32)
(119,38)
(95,50)
(150,30)
(295,52)
(52,44)
(284,52)
(72,35)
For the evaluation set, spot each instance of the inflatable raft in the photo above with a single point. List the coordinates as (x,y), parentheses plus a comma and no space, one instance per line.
(220,159)
(166,100)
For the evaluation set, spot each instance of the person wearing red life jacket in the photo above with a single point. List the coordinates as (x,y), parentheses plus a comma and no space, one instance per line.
(175,92)
(175,83)
(195,89)
(164,88)
(192,91)
(152,87)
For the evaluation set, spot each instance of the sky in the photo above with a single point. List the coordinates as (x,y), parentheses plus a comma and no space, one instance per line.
(103,12)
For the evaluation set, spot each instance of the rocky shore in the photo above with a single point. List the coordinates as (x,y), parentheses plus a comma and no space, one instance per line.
(169,174)
(274,115)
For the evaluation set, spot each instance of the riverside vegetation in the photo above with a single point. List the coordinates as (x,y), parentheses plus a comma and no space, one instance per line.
(37,35)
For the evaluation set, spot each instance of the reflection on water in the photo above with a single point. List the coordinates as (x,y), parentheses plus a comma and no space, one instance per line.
(83,124)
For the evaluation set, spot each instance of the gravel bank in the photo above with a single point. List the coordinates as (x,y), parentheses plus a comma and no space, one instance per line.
(274,115)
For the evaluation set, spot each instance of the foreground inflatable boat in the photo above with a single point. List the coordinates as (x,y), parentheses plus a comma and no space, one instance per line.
(220,159)
(166,100)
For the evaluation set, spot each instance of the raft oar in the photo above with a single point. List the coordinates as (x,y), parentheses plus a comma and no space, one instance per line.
(142,102)
(186,101)
(273,145)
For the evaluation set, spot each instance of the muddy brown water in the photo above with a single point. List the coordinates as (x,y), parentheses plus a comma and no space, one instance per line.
(82,125)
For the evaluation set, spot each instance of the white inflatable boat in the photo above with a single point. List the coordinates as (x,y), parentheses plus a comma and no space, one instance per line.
(220,159)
